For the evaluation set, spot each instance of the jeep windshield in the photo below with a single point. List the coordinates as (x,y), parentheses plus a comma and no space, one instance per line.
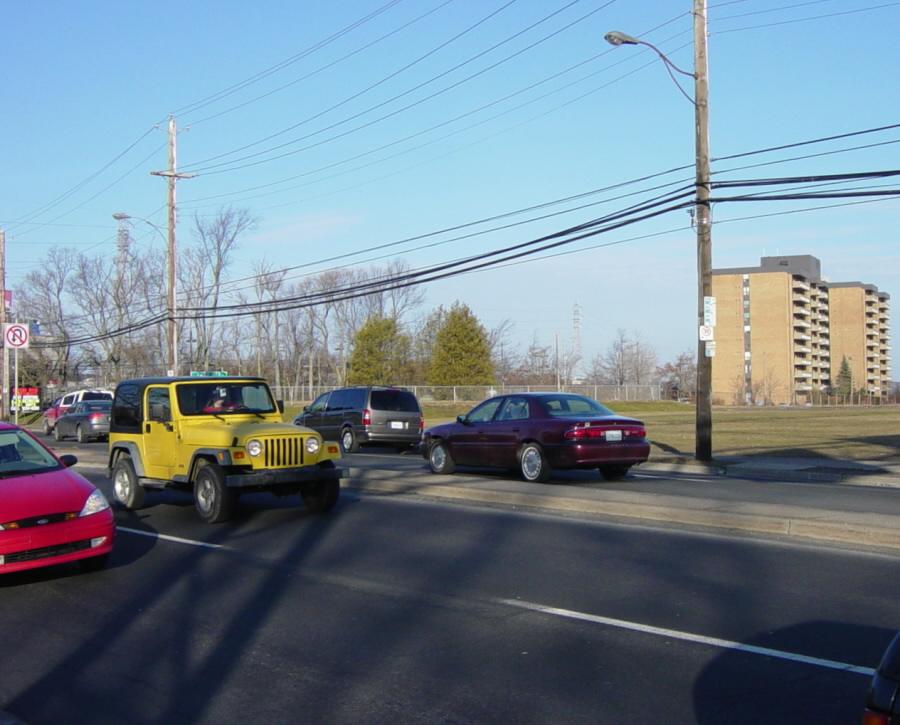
(224,398)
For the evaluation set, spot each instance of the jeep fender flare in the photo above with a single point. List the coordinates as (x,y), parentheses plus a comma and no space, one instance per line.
(131,448)
(219,456)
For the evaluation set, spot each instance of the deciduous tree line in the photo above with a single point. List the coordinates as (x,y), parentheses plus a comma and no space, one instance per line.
(103,319)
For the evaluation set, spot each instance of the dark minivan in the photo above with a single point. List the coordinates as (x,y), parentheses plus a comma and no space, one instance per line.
(366,415)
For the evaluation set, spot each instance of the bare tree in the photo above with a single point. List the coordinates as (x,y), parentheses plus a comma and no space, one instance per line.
(679,378)
(41,296)
(628,360)
(503,352)
(202,273)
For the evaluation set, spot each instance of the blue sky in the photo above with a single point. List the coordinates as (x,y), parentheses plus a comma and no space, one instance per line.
(434,113)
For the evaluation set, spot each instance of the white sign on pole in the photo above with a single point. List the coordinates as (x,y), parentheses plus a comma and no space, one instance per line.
(710,348)
(15,335)
(709,311)
(706,332)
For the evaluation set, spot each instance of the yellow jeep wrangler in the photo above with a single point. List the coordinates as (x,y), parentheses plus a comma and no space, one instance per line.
(218,437)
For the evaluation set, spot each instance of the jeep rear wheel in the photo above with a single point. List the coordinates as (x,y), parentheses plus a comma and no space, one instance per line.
(126,488)
(214,501)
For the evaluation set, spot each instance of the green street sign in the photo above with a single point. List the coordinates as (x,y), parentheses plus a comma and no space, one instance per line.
(209,374)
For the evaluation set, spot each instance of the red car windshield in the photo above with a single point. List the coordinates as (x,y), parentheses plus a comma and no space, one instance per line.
(20,453)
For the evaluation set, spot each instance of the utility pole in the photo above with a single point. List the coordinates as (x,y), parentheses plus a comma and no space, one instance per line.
(705,301)
(172,175)
(4,395)
(703,440)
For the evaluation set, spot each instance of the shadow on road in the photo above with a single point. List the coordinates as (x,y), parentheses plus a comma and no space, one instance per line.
(819,693)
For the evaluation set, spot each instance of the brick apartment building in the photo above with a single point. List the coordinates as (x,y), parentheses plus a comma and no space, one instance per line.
(782,332)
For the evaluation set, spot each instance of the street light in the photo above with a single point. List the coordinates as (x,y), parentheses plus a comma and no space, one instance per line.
(700,101)
(171,329)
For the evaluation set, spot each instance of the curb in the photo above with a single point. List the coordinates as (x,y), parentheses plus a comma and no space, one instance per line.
(844,529)
(856,476)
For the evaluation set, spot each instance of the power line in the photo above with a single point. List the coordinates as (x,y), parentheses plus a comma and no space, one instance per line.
(196,105)
(322,68)
(198,165)
(217,168)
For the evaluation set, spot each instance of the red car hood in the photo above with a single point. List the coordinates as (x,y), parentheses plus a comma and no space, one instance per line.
(50,492)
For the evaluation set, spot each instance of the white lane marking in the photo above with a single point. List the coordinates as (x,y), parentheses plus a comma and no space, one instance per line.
(688,637)
(166,537)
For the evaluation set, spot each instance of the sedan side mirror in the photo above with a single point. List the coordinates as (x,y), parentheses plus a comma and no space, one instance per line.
(462,419)
(68,460)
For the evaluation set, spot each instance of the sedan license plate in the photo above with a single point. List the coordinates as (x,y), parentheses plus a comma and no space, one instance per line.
(613,435)
(397,425)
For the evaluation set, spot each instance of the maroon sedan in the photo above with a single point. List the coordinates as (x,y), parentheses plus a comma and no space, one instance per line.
(49,514)
(536,432)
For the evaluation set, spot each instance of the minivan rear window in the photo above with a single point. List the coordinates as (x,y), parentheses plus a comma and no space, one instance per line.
(401,401)
(96,396)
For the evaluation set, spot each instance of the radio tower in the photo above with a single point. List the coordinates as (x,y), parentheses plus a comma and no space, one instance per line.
(576,332)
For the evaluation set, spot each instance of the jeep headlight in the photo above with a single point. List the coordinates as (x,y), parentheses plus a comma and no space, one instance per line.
(312,445)
(254,447)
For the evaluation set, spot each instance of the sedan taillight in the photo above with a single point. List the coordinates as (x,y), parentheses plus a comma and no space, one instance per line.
(95,417)
(598,432)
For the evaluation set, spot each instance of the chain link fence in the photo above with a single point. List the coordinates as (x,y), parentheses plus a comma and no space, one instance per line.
(298,395)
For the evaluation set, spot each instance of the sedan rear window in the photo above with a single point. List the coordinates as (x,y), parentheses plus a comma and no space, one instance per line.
(399,401)
(562,406)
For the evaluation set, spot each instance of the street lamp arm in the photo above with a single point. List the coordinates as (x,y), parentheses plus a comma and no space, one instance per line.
(617,38)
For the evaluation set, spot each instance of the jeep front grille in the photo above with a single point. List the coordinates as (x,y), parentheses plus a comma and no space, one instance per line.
(283,452)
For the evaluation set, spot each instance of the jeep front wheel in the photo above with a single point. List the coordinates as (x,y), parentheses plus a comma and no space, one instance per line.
(214,501)
(126,488)
(319,497)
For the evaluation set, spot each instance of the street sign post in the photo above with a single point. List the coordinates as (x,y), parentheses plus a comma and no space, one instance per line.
(15,335)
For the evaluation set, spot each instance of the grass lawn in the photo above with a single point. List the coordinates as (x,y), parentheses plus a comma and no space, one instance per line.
(838,433)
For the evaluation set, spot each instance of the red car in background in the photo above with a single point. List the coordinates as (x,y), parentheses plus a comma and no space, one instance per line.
(60,406)
(49,514)
(537,432)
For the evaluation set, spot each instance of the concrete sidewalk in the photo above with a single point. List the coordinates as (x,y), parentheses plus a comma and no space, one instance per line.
(784,468)
(811,523)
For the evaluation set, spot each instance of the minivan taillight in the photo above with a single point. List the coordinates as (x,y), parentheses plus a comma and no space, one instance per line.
(366,417)
(421,424)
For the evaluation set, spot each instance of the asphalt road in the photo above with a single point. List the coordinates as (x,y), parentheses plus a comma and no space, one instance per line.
(393,609)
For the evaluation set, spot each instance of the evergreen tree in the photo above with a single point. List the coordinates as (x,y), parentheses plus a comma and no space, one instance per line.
(380,354)
(461,354)
(844,381)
